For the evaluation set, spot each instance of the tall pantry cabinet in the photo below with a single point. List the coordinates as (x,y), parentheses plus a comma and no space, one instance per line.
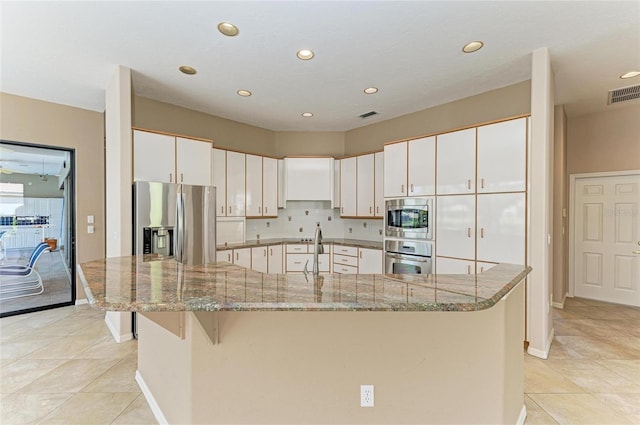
(481,197)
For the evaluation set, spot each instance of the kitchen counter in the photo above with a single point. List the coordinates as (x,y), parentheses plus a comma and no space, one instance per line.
(146,284)
(326,241)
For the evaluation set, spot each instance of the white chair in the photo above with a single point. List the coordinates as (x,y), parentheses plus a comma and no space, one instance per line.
(18,280)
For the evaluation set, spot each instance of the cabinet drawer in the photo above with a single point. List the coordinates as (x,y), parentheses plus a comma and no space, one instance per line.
(345,250)
(342,269)
(296,262)
(297,248)
(345,260)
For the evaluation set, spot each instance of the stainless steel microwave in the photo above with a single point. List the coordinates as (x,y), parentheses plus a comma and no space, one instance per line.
(410,218)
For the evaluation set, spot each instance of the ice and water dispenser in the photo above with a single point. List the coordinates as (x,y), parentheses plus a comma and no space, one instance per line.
(158,240)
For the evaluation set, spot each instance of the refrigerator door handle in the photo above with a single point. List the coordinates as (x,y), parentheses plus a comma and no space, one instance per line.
(179,239)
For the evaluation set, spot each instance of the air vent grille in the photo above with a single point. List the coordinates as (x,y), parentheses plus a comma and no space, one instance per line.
(623,94)
(368,114)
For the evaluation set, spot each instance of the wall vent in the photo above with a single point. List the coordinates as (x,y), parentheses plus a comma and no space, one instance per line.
(368,114)
(623,94)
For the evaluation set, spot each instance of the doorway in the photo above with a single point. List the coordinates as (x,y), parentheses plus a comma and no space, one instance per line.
(605,262)
(37,255)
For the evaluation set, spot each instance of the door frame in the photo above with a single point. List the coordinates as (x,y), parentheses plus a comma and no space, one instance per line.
(573,178)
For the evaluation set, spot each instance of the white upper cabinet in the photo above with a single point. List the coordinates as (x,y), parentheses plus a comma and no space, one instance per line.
(219,161)
(269,187)
(395,170)
(422,166)
(153,157)
(254,185)
(502,156)
(379,184)
(193,161)
(348,187)
(456,161)
(456,226)
(501,228)
(308,179)
(365,185)
(235,184)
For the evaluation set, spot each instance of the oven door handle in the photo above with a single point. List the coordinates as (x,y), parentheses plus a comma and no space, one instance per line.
(416,258)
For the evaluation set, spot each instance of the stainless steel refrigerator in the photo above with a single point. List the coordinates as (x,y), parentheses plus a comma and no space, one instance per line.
(175,220)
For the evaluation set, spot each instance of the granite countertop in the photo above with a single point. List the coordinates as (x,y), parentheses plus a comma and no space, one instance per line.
(325,241)
(138,284)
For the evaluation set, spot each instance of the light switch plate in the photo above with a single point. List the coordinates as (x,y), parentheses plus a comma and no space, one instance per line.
(90,219)
(90,229)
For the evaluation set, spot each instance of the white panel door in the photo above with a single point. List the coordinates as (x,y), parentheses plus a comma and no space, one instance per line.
(395,170)
(225,255)
(454,266)
(153,157)
(235,184)
(193,161)
(348,187)
(501,228)
(270,187)
(606,235)
(502,156)
(456,162)
(378,184)
(456,226)
(260,259)
(242,257)
(254,186)
(422,166)
(370,261)
(365,185)
(275,259)
(219,165)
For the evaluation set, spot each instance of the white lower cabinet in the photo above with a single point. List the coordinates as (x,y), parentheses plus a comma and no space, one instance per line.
(225,255)
(446,265)
(274,259)
(456,226)
(296,262)
(501,228)
(260,259)
(370,261)
(240,257)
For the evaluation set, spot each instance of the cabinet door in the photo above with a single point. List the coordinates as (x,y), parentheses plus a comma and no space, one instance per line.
(260,259)
(395,170)
(193,161)
(225,255)
(348,187)
(501,228)
(502,156)
(242,257)
(456,161)
(254,186)
(219,162)
(370,261)
(365,185)
(422,166)
(454,266)
(455,226)
(153,157)
(275,259)
(235,184)
(378,184)
(270,187)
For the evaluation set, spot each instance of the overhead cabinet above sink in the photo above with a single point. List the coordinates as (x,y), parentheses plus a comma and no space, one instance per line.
(308,179)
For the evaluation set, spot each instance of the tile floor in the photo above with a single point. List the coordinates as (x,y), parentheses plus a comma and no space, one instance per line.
(62,367)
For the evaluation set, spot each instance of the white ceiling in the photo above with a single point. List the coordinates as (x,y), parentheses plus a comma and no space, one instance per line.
(66,52)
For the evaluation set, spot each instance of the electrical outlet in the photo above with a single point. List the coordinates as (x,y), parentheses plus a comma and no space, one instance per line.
(366,395)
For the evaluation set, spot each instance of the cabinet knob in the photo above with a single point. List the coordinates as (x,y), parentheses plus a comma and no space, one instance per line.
(468,232)
(377,210)
(229,257)
(271,251)
(266,209)
(237,256)
(222,209)
(411,187)
(229,210)
(370,210)
(468,269)
(482,183)
(469,184)
(265,252)
(401,188)
(482,232)
(170,178)
(181,177)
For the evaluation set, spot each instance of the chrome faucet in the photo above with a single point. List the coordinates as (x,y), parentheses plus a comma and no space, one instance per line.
(317,249)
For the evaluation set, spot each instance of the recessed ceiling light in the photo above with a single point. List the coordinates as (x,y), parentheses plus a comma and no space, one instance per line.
(371,90)
(630,74)
(228,29)
(185,69)
(307,114)
(244,93)
(474,46)
(305,54)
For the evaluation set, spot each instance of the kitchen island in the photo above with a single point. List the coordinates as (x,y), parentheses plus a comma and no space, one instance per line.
(222,344)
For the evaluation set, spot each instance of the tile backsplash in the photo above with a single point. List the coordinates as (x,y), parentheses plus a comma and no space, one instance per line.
(299,218)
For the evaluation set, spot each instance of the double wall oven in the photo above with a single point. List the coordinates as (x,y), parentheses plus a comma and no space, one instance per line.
(408,235)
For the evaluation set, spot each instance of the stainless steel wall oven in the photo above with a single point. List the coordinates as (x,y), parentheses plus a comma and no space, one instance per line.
(407,257)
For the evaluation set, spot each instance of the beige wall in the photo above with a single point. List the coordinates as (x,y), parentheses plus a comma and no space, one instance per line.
(155,115)
(605,141)
(299,143)
(489,106)
(560,205)
(35,121)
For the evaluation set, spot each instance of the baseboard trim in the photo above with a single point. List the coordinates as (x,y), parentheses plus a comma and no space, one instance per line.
(82,301)
(543,354)
(523,415)
(153,404)
(560,304)
(115,333)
